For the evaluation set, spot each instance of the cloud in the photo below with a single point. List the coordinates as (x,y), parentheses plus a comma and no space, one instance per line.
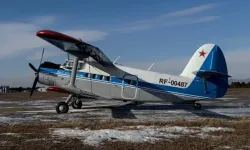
(87,35)
(37,55)
(191,11)
(43,20)
(16,37)
(237,60)
(164,23)
(170,19)
(206,19)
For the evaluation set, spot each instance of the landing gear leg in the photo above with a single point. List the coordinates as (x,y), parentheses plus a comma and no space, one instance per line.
(77,103)
(197,105)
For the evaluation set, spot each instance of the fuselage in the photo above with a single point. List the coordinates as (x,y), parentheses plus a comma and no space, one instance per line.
(127,83)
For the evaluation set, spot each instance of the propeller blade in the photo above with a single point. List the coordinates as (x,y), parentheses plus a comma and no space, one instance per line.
(34,86)
(41,60)
(32,67)
(42,57)
(37,72)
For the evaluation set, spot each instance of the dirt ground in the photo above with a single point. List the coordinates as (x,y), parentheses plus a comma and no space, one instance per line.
(32,123)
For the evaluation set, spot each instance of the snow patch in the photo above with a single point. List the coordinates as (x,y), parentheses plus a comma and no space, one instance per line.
(133,133)
(213,129)
(226,147)
(12,134)
(36,139)
(3,142)
(6,102)
(37,111)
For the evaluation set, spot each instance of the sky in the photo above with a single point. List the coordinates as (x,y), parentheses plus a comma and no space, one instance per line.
(141,32)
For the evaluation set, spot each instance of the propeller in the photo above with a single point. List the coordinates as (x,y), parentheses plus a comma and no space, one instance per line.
(36,73)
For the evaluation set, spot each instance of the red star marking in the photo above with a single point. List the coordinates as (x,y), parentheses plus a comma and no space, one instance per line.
(202,53)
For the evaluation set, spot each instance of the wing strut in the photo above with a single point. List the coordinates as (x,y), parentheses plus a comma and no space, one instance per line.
(71,86)
(73,72)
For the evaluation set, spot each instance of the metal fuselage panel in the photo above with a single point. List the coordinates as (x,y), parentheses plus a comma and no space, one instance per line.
(124,83)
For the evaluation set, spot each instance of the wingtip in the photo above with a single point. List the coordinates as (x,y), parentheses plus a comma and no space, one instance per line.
(56,35)
(43,32)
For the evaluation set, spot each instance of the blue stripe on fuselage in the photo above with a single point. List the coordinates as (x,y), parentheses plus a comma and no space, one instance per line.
(117,80)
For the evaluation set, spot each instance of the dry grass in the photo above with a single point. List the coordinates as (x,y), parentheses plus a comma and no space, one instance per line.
(238,91)
(13,109)
(237,139)
(35,96)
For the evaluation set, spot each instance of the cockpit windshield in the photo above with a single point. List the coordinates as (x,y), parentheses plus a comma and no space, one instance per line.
(68,64)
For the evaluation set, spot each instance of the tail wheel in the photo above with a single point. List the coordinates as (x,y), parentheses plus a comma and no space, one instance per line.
(62,107)
(197,106)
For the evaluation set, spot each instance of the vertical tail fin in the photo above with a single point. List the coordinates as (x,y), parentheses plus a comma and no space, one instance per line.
(203,59)
(209,63)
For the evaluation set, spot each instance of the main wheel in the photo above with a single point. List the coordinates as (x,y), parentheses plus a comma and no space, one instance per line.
(62,107)
(77,104)
(197,106)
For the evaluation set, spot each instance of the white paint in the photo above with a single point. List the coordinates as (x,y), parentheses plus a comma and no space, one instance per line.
(196,60)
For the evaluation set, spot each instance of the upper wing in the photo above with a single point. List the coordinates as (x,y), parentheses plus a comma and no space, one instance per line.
(75,47)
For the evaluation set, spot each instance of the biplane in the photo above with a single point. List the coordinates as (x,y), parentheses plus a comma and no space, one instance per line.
(92,75)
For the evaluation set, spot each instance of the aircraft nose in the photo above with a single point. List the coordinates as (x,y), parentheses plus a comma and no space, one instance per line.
(43,79)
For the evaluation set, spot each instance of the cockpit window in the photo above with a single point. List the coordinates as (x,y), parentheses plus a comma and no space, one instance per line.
(69,65)
(64,64)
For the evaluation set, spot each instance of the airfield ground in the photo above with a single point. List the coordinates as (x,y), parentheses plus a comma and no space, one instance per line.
(32,123)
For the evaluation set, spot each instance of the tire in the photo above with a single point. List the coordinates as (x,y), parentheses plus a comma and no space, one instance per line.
(197,106)
(77,104)
(62,107)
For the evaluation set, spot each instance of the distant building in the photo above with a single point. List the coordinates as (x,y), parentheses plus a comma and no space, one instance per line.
(4,89)
(42,89)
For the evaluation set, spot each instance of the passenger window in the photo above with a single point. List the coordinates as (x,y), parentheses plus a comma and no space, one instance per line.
(126,81)
(87,75)
(108,78)
(94,76)
(101,77)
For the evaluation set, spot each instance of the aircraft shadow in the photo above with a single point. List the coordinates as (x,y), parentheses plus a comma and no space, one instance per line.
(118,111)
(124,111)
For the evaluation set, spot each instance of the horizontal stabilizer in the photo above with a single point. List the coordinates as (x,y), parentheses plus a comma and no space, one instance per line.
(210,73)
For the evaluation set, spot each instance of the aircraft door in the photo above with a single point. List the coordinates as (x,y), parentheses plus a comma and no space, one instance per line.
(129,86)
